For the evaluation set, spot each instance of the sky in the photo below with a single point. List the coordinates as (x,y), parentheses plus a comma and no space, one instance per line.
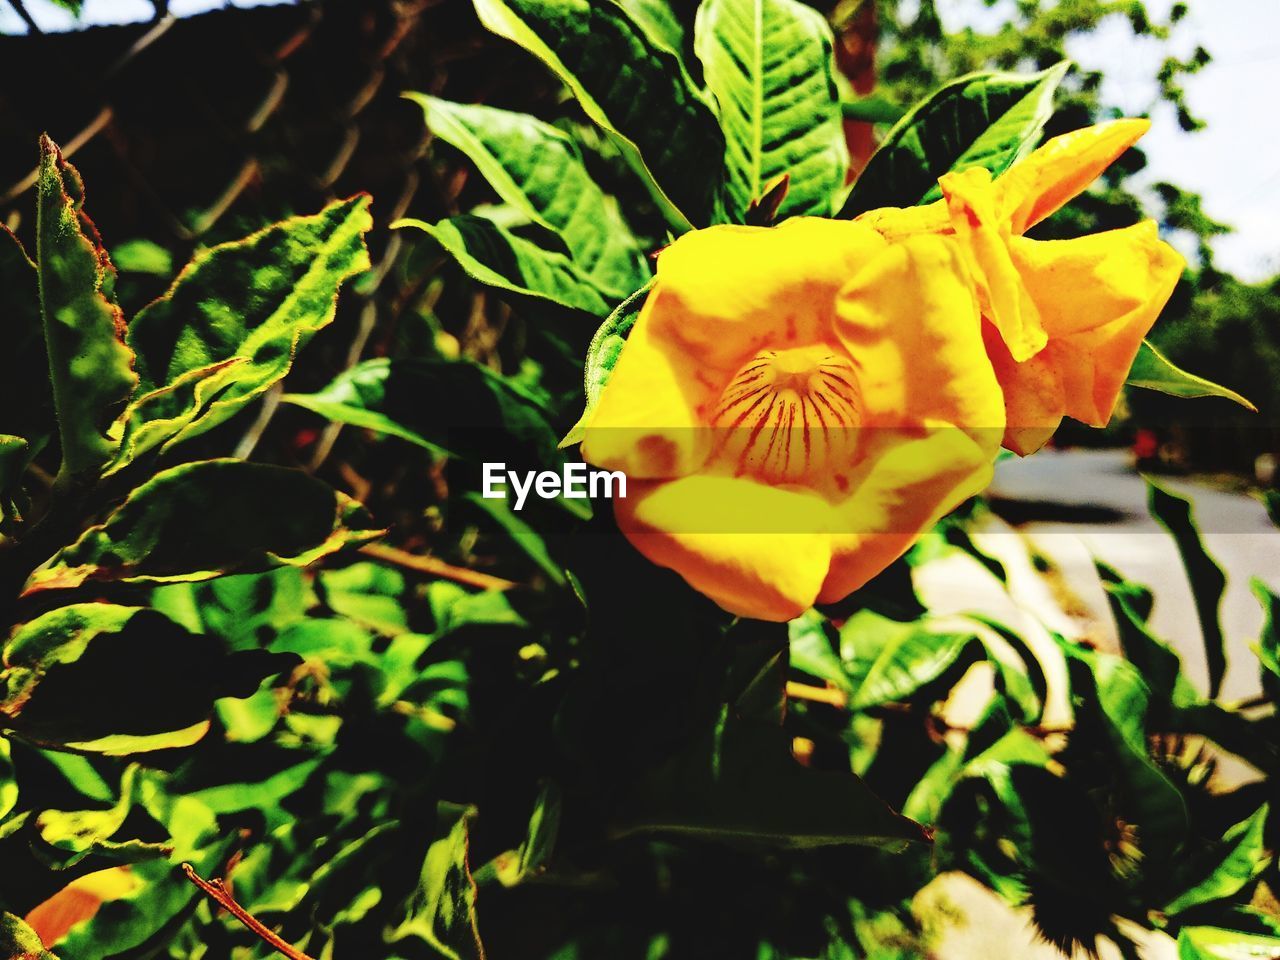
(1234,163)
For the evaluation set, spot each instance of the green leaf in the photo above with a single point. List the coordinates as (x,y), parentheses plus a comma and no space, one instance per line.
(369,594)
(1203,572)
(1245,857)
(142,923)
(1152,370)
(1215,943)
(15,454)
(26,398)
(1111,696)
(602,356)
(142,256)
(812,653)
(769,64)
(1159,664)
(738,782)
(1268,648)
(500,258)
(987,120)
(871,109)
(909,658)
(442,912)
(635,89)
(100,678)
(447,406)
(536,168)
(90,367)
(200,520)
(233,321)
(8,784)
(514,867)
(245,610)
(19,942)
(74,835)
(525,536)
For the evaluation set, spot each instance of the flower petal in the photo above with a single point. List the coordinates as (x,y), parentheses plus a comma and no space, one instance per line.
(1098,296)
(919,356)
(756,550)
(732,291)
(1033,395)
(984,235)
(646,423)
(908,484)
(1060,169)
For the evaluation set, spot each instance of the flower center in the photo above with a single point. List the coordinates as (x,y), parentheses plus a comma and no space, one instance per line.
(791,416)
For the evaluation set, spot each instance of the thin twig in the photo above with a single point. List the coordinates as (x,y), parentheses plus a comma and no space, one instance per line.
(270,401)
(828,695)
(218,893)
(21,11)
(436,568)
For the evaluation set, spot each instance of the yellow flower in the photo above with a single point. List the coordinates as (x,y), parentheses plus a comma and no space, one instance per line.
(1063,318)
(794,406)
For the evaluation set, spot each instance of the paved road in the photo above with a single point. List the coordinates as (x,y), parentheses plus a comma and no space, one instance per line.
(1118,529)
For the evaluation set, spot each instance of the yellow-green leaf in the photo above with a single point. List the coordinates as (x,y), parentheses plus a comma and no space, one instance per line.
(770,65)
(1152,370)
(233,321)
(90,367)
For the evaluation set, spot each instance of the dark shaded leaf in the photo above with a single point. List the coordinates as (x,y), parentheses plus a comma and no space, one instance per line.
(26,398)
(200,520)
(1203,572)
(985,120)
(444,406)
(100,678)
(442,912)
(501,258)
(737,782)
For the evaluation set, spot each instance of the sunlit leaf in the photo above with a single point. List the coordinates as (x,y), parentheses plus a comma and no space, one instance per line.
(73,835)
(1215,943)
(90,366)
(1268,648)
(634,88)
(201,520)
(1152,370)
(536,168)
(1244,858)
(769,64)
(19,942)
(233,321)
(511,261)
